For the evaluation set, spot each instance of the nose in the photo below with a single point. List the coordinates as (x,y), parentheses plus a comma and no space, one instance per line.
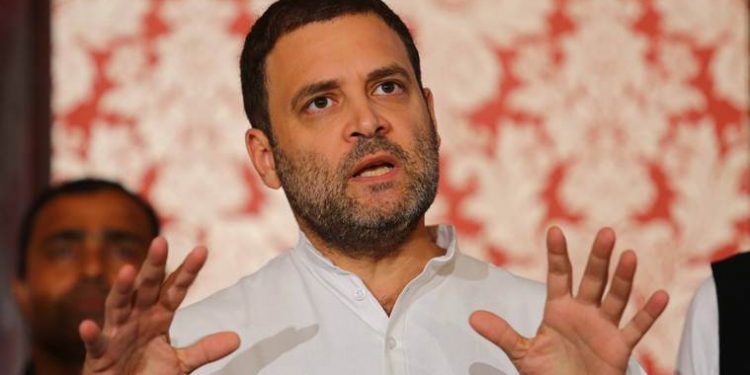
(92,259)
(366,121)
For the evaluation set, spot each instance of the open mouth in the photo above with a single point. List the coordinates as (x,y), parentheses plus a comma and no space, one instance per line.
(374,167)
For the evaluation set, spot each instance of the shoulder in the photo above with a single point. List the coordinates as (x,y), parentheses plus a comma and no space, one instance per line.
(483,286)
(731,276)
(473,270)
(740,259)
(270,274)
(732,271)
(229,308)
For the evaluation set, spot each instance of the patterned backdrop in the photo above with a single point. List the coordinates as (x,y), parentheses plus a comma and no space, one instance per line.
(580,113)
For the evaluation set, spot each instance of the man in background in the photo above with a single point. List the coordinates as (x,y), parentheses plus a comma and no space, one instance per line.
(72,241)
(714,338)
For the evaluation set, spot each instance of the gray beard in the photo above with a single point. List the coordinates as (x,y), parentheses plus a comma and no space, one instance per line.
(318,197)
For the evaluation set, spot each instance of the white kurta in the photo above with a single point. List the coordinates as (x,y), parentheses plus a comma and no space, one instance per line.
(699,346)
(300,314)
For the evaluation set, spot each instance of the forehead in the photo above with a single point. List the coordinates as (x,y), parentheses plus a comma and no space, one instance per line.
(351,44)
(91,210)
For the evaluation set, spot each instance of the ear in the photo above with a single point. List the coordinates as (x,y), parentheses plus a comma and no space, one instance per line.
(431,108)
(22,296)
(259,150)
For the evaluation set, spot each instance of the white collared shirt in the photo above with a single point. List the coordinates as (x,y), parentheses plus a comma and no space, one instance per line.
(699,346)
(300,314)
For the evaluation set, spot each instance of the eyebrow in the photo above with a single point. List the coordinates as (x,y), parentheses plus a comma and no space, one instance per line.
(116,235)
(66,235)
(388,71)
(109,235)
(312,89)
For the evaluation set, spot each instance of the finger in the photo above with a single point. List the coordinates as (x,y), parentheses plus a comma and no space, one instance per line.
(642,322)
(178,283)
(150,277)
(559,274)
(208,349)
(594,278)
(500,333)
(93,339)
(119,301)
(619,290)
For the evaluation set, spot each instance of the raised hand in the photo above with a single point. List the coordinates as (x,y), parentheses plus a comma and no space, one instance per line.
(139,310)
(581,334)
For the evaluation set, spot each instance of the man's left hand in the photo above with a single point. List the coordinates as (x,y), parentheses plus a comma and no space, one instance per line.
(579,334)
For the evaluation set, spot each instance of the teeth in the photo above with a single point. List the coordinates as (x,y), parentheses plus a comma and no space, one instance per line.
(377,171)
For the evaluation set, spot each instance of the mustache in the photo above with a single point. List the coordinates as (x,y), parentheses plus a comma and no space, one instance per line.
(89,285)
(83,292)
(367,146)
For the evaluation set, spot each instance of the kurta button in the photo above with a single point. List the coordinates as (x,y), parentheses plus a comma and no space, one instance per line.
(391,343)
(359,294)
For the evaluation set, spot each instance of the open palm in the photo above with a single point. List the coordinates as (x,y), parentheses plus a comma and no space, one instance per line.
(139,310)
(579,334)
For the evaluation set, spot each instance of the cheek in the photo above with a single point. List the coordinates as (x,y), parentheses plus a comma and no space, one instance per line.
(324,153)
(53,283)
(318,162)
(407,137)
(113,266)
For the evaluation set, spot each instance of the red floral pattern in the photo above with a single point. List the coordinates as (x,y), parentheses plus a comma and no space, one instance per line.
(579,113)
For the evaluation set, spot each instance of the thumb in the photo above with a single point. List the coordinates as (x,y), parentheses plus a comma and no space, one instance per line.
(500,333)
(208,349)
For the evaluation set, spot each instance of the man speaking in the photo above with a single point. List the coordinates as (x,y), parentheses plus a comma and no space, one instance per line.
(342,122)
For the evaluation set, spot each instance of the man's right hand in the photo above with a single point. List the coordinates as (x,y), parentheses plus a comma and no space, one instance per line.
(139,310)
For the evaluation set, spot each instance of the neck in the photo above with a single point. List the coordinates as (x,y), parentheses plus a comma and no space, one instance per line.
(48,364)
(387,276)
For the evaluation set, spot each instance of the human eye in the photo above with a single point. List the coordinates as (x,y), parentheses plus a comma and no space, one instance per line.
(318,104)
(130,253)
(124,246)
(388,88)
(60,250)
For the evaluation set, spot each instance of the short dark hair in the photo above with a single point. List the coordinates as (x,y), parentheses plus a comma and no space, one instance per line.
(74,187)
(286,16)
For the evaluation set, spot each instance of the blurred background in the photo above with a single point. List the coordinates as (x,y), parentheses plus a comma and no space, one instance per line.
(578,113)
